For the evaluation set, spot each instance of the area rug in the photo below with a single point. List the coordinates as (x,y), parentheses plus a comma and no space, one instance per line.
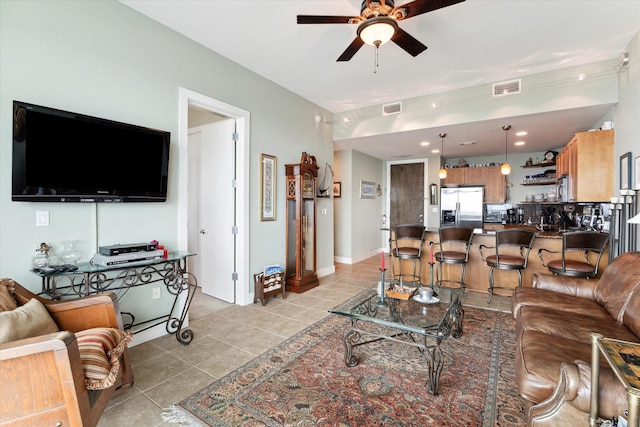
(305,382)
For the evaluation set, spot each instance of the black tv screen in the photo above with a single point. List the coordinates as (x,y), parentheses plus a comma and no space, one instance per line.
(59,156)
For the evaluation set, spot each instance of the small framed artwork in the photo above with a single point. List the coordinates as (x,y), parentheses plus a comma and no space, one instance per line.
(337,189)
(636,173)
(625,171)
(367,190)
(268,187)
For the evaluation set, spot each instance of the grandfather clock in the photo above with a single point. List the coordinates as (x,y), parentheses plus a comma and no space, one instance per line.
(301,224)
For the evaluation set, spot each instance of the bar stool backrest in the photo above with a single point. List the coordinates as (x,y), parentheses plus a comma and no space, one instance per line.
(587,241)
(410,235)
(456,234)
(515,237)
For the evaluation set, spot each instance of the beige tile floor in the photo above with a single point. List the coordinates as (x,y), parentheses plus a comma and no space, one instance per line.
(227,336)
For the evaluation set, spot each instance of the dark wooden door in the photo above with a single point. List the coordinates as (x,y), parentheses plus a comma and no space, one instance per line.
(406,194)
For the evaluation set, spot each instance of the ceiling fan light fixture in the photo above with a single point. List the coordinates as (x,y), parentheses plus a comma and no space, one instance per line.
(377,31)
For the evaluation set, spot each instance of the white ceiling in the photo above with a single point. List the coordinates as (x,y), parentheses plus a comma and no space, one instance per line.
(470,43)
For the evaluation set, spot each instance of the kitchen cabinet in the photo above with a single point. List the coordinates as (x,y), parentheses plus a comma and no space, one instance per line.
(588,160)
(455,176)
(489,176)
(561,164)
(301,224)
(494,185)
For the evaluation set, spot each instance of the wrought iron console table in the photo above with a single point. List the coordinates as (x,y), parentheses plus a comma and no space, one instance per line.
(93,279)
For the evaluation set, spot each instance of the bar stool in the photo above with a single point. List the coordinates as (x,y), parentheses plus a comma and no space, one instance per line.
(587,241)
(451,241)
(407,244)
(512,253)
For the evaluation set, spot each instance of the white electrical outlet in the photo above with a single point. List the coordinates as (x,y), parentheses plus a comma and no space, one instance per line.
(156,293)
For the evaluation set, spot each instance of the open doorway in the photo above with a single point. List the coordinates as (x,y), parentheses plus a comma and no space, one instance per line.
(213,200)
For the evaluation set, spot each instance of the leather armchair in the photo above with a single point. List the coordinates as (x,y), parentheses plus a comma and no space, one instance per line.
(42,377)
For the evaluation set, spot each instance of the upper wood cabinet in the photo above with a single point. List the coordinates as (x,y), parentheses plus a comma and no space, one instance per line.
(588,161)
(489,176)
(494,185)
(455,176)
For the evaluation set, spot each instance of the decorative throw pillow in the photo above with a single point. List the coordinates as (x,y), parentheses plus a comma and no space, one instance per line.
(29,320)
(100,350)
(7,287)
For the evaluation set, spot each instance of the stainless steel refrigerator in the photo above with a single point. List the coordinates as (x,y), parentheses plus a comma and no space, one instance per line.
(461,206)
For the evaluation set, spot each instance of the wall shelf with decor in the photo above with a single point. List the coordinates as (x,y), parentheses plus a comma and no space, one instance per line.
(539,165)
(540,183)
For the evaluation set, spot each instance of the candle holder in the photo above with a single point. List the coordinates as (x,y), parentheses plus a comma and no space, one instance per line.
(382,296)
(431,263)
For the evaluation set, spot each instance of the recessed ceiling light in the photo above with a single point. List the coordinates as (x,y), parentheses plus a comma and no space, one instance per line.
(424,143)
(467,142)
(435,150)
(581,77)
(519,143)
(521,133)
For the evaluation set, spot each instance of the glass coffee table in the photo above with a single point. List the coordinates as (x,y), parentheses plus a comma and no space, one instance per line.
(409,322)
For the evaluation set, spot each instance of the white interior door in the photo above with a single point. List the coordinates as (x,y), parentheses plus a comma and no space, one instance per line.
(211,217)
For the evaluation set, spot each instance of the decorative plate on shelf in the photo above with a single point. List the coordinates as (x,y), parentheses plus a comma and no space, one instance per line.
(550,156)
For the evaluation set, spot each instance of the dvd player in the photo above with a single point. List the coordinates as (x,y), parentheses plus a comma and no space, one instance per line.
(125,249)
(107,260)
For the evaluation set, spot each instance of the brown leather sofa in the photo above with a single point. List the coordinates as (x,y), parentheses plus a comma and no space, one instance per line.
(554,321)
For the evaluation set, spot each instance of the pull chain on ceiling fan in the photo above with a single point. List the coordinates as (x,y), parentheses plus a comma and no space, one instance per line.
(378,23)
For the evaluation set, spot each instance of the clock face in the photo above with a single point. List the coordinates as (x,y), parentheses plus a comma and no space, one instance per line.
(549,155)
(307,186)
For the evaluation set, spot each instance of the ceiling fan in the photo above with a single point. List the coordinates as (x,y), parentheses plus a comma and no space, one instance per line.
(378,23)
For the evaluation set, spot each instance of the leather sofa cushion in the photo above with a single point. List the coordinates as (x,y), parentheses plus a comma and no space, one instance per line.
(554,300)
(565,325)
(631,316)
(538,360)
(617,284)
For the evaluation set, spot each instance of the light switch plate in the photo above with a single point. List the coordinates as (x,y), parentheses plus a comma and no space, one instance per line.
(42,218)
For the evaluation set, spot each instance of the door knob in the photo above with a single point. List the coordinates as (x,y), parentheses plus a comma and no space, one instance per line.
(202,231)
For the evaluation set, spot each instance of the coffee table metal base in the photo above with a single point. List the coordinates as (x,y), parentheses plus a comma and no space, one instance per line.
(428,346)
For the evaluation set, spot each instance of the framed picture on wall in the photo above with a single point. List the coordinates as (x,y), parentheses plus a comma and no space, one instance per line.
(268,187)
(625,171)
(367,190)
(337,189)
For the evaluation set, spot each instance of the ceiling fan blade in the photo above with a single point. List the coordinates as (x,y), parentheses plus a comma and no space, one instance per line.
(406,41)
(320,19)
(355,45)
(418,7)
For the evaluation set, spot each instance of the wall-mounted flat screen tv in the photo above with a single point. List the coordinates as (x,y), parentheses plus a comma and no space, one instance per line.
(59,156)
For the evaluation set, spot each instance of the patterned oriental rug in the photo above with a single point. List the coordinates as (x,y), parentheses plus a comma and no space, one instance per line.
(305,382)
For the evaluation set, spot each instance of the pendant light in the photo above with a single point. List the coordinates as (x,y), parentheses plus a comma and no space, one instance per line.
(506,167)
(442,173)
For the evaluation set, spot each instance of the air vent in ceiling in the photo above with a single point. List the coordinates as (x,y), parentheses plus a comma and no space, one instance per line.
(507,88)
(393,108)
